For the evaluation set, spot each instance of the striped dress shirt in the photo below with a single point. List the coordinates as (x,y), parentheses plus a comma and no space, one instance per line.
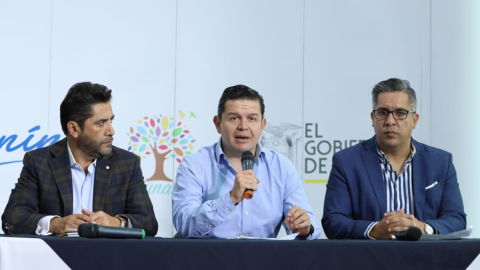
(398,186)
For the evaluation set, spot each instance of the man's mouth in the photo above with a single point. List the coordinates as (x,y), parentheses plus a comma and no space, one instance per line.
(242,138)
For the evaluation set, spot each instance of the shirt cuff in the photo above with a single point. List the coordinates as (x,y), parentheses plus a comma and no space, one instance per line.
(369,228)
(43,225)
(225,206)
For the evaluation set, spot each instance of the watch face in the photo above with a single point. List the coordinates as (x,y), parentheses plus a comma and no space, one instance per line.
(428,229)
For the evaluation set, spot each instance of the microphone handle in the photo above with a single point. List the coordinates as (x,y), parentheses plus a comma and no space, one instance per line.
(120,233)
(248,194)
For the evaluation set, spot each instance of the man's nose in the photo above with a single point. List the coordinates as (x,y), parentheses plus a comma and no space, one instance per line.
(110,131)
(390,120)
(243,125)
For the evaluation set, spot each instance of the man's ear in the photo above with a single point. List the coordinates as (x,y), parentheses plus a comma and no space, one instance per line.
(415,119)
(73,129)
(217,121)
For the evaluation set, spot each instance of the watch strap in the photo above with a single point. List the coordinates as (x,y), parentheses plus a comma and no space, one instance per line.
(312,230)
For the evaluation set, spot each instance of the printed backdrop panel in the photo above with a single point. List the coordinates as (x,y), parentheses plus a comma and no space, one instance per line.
(255,43)
(168,62)
(24,91)
(349,47)
(455,69)
(131,49)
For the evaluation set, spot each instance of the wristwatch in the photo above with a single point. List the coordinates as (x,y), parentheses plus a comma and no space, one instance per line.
(312,229)
(428,229)
(123,222)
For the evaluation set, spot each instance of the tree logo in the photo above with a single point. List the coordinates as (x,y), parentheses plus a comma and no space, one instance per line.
(159,137)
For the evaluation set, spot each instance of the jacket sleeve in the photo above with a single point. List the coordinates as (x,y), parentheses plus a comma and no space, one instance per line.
(338,220)
(138,206)
(450,215)
(21,214)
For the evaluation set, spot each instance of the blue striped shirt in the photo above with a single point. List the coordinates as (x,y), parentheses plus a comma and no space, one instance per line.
(398,186)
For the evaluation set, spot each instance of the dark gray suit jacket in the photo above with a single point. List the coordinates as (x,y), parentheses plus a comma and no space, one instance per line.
(45,188)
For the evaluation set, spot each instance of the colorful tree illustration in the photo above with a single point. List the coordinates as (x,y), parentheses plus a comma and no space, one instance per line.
(160,137)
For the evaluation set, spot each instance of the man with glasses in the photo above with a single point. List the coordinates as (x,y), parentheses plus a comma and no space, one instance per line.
(391,182)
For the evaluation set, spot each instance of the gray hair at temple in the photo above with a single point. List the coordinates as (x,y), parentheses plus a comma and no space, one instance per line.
(394,85)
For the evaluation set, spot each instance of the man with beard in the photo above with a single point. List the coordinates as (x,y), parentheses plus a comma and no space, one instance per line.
(82,178)
(391,182)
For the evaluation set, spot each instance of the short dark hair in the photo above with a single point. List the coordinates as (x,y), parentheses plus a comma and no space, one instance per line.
(239,92)
(394,85)
(77,104)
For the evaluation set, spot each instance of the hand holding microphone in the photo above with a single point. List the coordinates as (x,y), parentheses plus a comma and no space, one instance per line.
(247,164)
(245,180)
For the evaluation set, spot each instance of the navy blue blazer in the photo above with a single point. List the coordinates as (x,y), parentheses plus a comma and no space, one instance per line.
(356,193)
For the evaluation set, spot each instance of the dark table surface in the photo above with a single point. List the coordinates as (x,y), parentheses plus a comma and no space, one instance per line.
(168,253)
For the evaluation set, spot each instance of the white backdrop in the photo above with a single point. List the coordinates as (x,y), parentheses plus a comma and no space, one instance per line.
(168,61)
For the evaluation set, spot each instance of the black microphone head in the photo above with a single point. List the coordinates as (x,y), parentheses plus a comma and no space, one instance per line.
(88,230)
(411,234)
(247,161)
(247,155)
(414,233)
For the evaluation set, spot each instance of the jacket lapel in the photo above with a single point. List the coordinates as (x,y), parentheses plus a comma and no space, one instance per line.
(374,171)
(103,175)
(420,169)
(60,166)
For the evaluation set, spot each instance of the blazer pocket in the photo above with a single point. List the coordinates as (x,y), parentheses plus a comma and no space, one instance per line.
(431,186)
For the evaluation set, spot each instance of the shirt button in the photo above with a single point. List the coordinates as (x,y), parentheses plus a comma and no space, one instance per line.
(229,211)
(209,225)
(246,213)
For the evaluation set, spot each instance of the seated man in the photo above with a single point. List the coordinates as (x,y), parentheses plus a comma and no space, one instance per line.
(208,195)
(82,178)
(392,182)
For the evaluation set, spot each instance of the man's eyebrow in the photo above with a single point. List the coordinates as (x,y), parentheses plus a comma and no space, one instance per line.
(104,119)
(397,109)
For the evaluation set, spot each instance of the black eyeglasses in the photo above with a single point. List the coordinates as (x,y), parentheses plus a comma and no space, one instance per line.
(397,114)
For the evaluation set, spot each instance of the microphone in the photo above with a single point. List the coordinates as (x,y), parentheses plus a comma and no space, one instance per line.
(412,234)
(90,230)
(247,164)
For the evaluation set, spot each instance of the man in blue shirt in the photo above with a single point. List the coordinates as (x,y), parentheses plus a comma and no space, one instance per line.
(392,182)
(208,193)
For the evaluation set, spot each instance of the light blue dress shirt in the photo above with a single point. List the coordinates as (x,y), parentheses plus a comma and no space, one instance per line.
(82,185)
(82,188)
(202,207)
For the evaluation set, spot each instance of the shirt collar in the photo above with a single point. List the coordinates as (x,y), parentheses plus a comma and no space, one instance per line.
(72,159)
(383,158)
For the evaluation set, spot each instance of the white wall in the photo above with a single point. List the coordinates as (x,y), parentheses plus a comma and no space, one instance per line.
(314,62)
(455,96)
